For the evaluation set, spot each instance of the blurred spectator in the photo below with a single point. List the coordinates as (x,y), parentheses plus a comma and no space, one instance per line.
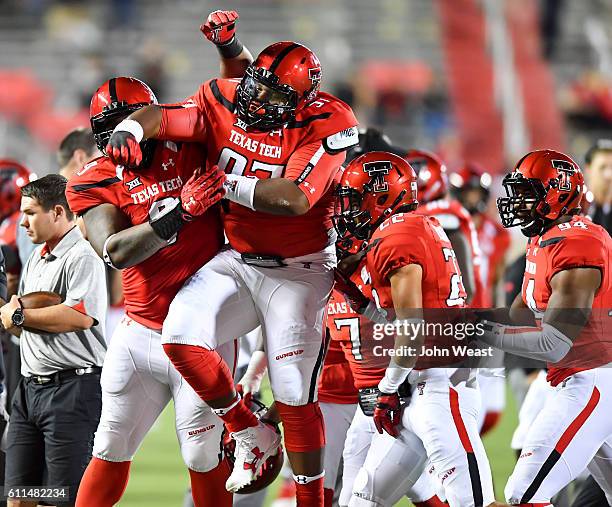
(587,101)
(88,72)
(57,404)
(550,20)
(75,150)
(598,172)
(153,68)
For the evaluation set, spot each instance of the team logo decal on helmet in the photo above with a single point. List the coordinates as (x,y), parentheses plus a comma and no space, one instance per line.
(376,171)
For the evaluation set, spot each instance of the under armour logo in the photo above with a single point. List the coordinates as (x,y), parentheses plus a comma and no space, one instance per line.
(165,165)
(301,479)
(278,132)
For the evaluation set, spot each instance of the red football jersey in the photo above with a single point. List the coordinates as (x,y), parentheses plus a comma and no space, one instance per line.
(336,383)
(150,286)
(308,151)
(409,238)
(453,216)
(355,335)
(574,244)
(8,238)
(494,242)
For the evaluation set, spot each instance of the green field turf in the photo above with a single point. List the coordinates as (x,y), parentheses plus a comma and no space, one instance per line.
(159,478)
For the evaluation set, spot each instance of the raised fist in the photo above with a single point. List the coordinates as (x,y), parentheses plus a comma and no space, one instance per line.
(202,191)
(123,149)
(220,27)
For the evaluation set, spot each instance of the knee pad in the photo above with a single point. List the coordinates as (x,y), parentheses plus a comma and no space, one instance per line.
(112,445)
(363,494)
(303,427)
(203,453)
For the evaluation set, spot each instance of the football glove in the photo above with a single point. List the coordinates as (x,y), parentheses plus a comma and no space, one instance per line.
(202,191)
(350,290)
(123,149)
(387,414)
(220,27)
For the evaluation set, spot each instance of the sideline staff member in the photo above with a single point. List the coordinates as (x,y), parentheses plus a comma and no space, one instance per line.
(56,408)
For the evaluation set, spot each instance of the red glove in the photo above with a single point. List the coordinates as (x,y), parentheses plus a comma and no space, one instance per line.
(202,191)
(387,414)
(350,290)
(220,27)
(123,149)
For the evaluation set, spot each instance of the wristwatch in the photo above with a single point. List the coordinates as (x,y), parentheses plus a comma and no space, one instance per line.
(18,317)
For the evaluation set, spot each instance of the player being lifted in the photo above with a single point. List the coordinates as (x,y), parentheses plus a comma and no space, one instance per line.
(281,142)
(412,266)
(568,288)
(122,207)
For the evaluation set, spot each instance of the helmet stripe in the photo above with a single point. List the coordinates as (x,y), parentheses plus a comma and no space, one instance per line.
(112,90)
(281,55)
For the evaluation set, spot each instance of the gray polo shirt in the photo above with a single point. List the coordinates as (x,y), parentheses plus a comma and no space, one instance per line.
(74,271)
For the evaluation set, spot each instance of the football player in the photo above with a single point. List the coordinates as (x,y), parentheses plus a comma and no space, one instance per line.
(456,221)
(412,266)
(13,176)
(353,333)
(281,142)
(122,208)
(568,288)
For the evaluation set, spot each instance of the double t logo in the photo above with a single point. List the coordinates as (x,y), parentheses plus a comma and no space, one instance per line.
(377,172)
(566,171)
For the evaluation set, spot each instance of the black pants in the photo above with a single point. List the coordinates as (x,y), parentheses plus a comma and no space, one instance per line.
(51,430)
(590,495)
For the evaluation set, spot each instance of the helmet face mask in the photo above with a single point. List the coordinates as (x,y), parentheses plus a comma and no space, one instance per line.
(103,124)
(351,222)
(262,102)
(518,208)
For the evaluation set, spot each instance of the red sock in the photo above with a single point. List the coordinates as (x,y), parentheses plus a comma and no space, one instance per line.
(103,483)
(204,370)
(208,374)
(208,488)
(311,494)
(434,501)
(238,418)
(329,497)
(490,421)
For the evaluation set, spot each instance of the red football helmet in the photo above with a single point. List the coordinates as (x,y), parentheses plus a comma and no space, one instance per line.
(270,469)
(469,178)
(373,187)
(432,179)
(282,80)
(544,186)
(13,176)
(116,99)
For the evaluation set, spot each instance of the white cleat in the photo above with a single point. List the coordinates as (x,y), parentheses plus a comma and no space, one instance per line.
(254,446)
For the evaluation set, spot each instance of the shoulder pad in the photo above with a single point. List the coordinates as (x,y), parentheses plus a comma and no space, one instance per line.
(341,141)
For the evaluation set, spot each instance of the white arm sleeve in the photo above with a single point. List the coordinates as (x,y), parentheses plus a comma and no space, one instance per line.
(546,344)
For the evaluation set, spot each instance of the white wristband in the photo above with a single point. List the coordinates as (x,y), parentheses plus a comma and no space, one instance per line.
(395,375)
(131,126)
(240,189)
(106,256)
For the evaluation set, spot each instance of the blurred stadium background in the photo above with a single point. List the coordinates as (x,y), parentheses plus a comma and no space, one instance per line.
(485,80)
